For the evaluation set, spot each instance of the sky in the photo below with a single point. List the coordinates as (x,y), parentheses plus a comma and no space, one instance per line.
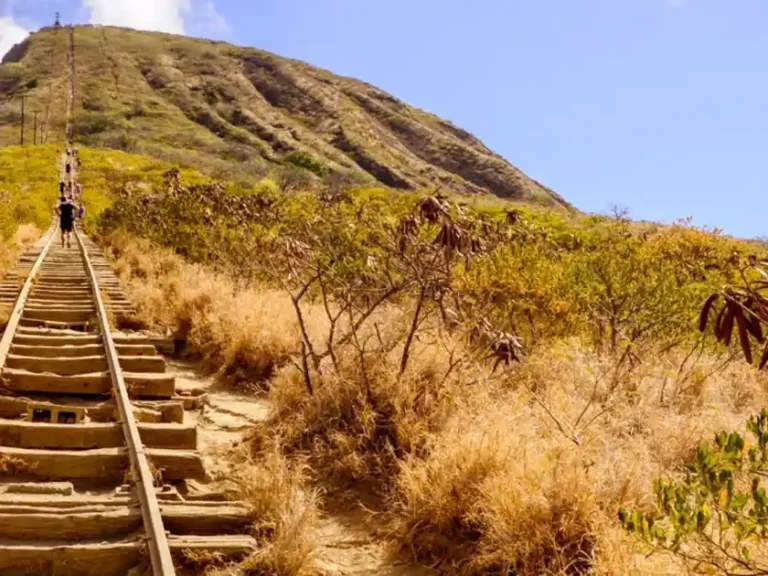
(658,106)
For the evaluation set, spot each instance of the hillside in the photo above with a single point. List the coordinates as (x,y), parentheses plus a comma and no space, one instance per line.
(236,112)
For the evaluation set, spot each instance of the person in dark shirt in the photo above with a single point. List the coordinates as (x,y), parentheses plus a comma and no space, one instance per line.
(67,210)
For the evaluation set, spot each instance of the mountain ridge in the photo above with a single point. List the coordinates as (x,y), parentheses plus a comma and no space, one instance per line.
(240,110)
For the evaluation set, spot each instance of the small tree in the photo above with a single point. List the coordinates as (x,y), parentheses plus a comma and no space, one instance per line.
(715,519)
(354,270)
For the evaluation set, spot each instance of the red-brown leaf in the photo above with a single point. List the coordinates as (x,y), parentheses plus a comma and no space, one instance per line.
(726,328)
(746,345)
(719,323)
(755,328)
(705,311)
(764,359)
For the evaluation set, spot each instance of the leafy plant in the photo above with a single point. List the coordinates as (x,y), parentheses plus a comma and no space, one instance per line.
(717,514)
(306,161)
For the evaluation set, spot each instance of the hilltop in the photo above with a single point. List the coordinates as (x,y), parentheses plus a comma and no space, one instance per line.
(238,112)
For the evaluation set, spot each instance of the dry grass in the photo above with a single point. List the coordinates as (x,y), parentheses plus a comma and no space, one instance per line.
(506,491)
(475,504)
(283,515)
(25,235)
(243,334)
(521,472)
(359,423)
(11,466)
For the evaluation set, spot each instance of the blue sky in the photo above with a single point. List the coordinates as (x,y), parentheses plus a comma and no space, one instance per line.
(657,105)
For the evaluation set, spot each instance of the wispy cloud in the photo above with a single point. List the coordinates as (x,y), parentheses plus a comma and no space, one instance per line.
(211,16)
(156,15)
(11,32)
(174,16)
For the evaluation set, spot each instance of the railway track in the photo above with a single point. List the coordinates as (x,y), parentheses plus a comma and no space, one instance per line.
(72,500)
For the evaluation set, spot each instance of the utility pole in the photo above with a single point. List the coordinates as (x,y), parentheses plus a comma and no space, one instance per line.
(35,137)
(22,119)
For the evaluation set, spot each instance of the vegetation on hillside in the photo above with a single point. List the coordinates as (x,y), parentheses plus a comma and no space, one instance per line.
(386,327)
(507,379)
(28,187)
(538,275)
(236,113)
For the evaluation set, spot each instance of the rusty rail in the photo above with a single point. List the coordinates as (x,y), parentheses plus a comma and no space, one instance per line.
(160,554)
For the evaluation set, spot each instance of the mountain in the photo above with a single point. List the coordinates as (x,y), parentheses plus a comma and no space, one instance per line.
(234,112)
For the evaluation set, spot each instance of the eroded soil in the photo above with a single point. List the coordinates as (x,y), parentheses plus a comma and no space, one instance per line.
(348,542)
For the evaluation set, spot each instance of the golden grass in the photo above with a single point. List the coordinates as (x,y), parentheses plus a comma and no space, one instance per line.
(283,515)
(355,432)
(504,490)
(11,466)
(521,472)
(283,512)
(25,235)
(244,334)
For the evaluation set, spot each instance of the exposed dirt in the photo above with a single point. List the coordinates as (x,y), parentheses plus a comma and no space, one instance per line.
(222,418)
(350,546)
(349,543)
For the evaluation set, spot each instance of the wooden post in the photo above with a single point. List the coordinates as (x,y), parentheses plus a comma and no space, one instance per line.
(22,119)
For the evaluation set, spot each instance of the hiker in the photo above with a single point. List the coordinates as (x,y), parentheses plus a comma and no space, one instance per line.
(61,188)
(69,168)
(66,209)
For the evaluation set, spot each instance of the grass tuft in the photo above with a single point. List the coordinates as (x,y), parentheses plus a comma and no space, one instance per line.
(243,334)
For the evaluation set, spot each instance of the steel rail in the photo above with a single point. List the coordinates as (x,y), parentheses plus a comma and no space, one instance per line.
(21,300)
(160,554)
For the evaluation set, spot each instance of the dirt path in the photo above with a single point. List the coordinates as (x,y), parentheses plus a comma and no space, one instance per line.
(348,543)
(350,547)
(223,417)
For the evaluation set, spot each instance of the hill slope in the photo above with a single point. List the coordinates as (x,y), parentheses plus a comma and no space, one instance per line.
(237,110)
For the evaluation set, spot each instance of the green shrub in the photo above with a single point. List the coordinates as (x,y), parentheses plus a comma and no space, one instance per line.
(717,514)
(306,161)
(541,277)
